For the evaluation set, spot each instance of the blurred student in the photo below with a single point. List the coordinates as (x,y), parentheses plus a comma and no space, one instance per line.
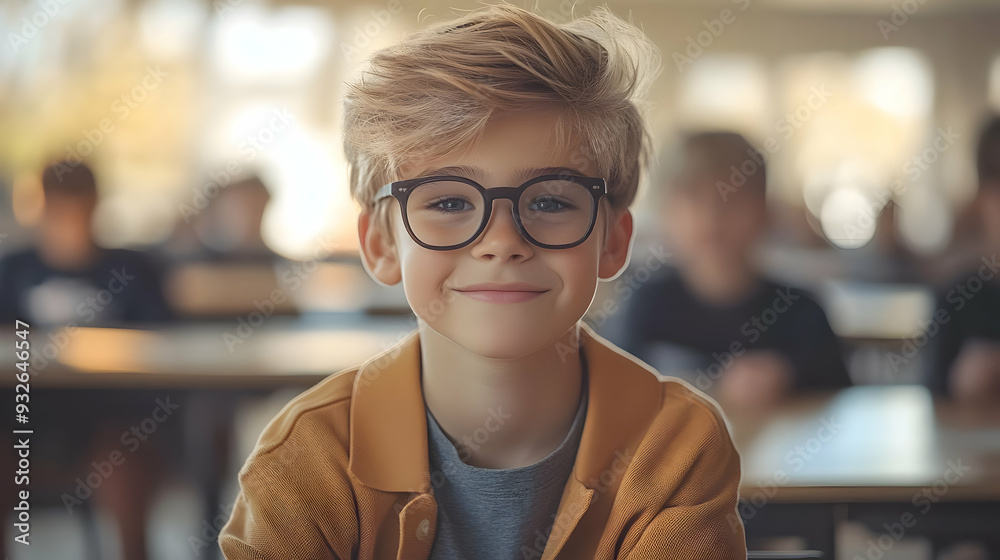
(68,280)
(221,268)
(743,338)
(967,356)
(66,276)
(229,228)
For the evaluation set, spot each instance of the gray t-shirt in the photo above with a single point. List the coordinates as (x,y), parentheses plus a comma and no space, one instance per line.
(498,514)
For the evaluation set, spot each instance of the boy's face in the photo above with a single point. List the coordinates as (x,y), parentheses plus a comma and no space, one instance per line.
(67,219)
(434,280)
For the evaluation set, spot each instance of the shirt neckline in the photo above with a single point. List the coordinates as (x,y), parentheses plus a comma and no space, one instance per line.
(450,452)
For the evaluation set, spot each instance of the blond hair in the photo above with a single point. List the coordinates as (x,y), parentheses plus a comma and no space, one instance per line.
(435,91)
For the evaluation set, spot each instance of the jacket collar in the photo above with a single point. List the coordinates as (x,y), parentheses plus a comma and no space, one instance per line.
(389,425)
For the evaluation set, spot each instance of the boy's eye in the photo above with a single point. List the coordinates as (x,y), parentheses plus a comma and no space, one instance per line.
(549,204)
(447,205)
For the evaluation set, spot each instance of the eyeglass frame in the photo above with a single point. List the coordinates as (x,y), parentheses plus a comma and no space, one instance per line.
(400,190)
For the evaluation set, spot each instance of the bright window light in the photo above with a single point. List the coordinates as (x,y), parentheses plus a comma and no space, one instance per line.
(270,47)
(896,80)
(724,91)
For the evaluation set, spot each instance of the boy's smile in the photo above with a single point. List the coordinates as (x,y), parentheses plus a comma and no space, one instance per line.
(502,293)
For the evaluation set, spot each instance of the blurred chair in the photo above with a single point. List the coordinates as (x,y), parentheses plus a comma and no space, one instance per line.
(227,289)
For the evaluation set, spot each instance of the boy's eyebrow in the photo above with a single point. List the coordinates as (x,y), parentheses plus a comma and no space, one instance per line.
(520,176)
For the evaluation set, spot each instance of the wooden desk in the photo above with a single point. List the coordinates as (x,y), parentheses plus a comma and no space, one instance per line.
(279,352)
(874,455)
(205,372)
(870,443)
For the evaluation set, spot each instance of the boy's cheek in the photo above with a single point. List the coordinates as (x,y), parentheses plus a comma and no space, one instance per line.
(579,272)
(425,276)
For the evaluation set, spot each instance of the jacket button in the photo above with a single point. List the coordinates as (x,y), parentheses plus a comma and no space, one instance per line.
(423,529)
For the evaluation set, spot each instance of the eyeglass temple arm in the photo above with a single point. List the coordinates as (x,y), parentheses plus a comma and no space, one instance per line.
(383,192)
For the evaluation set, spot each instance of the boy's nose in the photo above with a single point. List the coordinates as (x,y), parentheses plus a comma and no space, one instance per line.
(501,239)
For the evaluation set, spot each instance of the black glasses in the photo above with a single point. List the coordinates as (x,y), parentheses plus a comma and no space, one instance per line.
(446,212)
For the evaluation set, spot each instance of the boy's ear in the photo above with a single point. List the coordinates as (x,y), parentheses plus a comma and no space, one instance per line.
(378,253)
(614,254)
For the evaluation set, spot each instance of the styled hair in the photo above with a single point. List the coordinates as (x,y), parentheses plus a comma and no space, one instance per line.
(722,153)
(435,91)
(988,151)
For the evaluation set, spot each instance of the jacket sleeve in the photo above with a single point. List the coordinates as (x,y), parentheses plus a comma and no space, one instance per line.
(702,522)
(274,517)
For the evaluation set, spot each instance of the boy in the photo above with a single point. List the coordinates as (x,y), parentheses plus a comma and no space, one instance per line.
(967,356)
(744,339)
(502,427)
(45,283)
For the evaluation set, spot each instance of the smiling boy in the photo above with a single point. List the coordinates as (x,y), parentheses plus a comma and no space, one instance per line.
(495,158)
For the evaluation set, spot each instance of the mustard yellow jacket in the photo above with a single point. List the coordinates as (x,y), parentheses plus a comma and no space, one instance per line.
(342,471)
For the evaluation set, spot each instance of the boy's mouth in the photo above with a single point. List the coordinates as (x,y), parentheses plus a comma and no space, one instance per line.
(502,296)
(502,293)
(498,287)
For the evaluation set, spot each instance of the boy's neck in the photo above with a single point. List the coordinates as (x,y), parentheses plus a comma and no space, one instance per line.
(501,413)
(68,257)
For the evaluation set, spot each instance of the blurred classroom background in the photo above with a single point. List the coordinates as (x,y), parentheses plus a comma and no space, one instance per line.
(207,270)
